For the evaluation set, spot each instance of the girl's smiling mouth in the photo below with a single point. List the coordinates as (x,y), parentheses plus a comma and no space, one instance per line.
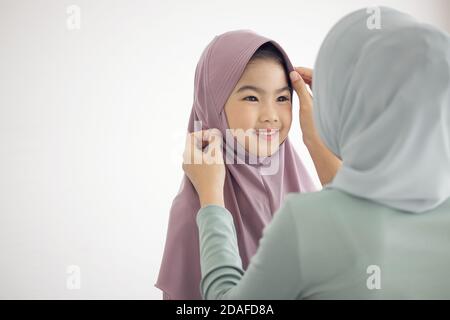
(268,133)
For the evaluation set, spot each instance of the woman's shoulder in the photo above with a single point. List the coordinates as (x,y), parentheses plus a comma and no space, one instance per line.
(341,202)
(321,197)
(327,203)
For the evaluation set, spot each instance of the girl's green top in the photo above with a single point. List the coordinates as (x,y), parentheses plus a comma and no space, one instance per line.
(330,245)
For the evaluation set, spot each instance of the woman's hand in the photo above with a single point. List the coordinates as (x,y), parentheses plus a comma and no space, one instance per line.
(299,78)
(203,164)
(326,163)
(306,74)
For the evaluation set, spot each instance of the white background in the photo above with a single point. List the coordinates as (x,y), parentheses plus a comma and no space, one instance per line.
(92,124)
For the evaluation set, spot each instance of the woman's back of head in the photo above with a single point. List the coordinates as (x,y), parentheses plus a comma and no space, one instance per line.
(382,104)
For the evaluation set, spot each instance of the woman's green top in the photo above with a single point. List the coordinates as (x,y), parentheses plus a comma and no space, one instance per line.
(330,245)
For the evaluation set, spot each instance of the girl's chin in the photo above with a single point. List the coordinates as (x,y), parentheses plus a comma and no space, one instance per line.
(264,151)
(263,147)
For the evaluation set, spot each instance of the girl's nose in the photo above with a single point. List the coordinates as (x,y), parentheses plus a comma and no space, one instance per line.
(268,113)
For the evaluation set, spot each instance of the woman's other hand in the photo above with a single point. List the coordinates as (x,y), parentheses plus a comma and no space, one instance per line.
(326,163)
(299,79)
(306,74)
(204,165)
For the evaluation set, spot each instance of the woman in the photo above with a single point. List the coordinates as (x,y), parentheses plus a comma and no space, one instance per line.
(380,229)
(241,83)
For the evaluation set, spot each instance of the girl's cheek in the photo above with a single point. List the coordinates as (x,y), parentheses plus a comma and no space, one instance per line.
(286,117)
(249,119)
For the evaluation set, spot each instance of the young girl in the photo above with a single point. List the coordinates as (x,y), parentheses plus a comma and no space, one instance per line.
(241,82)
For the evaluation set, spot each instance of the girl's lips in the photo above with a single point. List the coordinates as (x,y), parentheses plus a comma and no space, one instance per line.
(267,134)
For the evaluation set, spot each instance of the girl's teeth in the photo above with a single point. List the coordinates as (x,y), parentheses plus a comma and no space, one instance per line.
(268,132)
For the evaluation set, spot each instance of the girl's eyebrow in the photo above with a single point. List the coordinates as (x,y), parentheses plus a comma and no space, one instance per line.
(260,90)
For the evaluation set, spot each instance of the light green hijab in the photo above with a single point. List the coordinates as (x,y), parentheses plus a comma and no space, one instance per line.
(382,104)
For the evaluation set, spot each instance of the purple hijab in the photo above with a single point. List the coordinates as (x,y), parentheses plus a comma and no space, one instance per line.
(250,196)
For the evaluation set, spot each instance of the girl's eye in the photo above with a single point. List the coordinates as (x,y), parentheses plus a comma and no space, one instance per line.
(251,98)
(283,98)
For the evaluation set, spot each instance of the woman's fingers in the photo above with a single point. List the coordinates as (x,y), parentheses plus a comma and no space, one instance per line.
(299,86)
(205,166)
(213,150)
(306,74)
(306,107)
(199,142)
(191,149)
(212,135)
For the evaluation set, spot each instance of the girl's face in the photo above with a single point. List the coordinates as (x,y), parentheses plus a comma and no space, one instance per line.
(260,105)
